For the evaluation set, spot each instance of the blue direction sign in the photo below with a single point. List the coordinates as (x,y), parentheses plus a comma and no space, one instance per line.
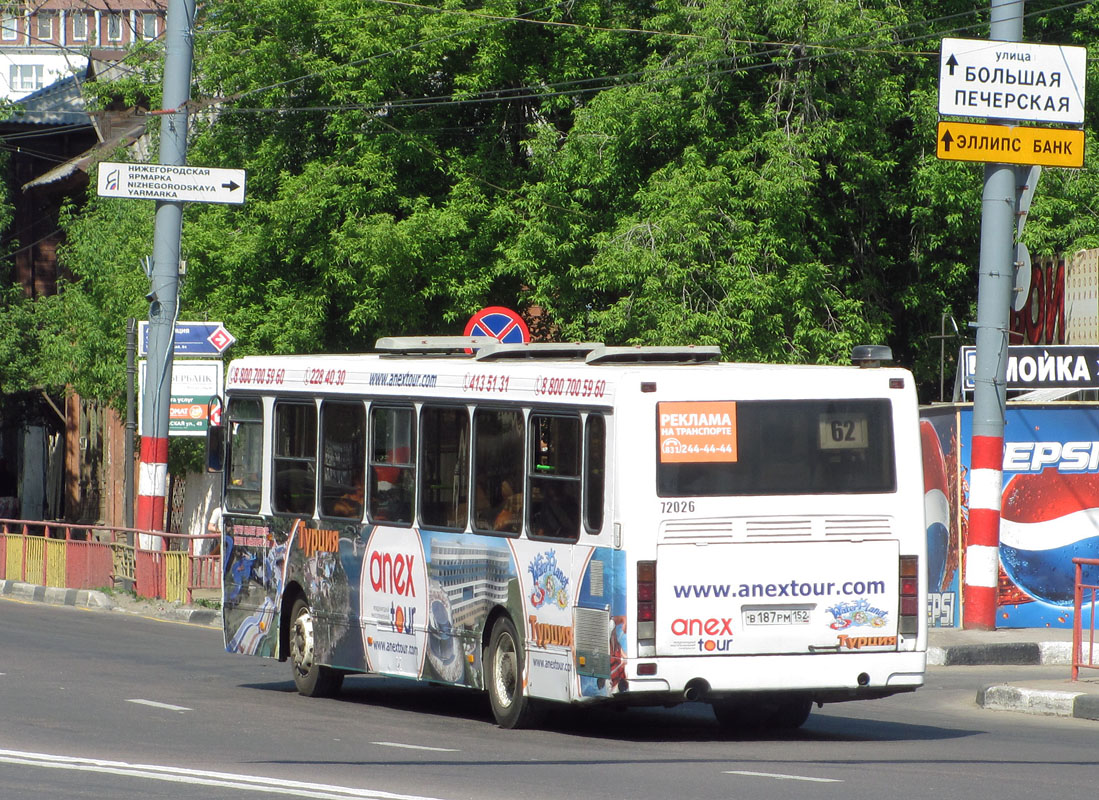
(192,338)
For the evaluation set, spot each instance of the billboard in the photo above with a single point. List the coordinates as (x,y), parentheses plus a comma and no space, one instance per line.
(196,385)
(1049,511)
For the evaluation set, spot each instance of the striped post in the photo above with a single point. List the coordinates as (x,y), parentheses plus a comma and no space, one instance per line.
(152,490)
(982,552)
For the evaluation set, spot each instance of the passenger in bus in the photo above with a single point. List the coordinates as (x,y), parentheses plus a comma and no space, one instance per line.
(509,515)
(351,504)
(391,493)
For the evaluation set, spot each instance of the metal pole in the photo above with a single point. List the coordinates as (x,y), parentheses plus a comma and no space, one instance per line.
(163,294)
(994,300)
(131,426)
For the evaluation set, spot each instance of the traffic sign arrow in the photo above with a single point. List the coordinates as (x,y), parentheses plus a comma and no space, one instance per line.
(1004,144)
(192,338)
(170,182)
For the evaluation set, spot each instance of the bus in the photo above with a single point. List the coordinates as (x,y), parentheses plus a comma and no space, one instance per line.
(577,523)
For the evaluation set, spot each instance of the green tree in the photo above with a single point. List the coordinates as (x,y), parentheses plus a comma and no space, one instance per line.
(757,175)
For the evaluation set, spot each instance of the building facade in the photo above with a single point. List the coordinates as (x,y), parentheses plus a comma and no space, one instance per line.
(42,41)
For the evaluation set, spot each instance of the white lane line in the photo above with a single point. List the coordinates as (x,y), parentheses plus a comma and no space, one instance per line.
(779,776)
(155,704)
(418,747)
(198,777)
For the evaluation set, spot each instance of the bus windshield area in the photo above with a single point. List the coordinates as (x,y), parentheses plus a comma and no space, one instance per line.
(775,447)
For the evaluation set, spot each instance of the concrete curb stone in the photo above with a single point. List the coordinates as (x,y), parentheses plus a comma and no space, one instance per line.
(92,598)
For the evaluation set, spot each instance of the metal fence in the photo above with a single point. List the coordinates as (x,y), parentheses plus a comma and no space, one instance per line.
(1082,589)
(65,556)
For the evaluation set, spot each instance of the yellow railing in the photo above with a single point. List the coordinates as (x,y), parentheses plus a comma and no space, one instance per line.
(61,555)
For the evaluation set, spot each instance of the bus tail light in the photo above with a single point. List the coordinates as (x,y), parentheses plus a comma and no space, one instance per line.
(646,608)
(910,594)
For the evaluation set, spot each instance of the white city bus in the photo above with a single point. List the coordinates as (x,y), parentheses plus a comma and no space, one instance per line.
(577,523)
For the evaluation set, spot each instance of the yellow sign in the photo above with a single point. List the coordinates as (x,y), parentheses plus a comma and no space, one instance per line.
(1003,144)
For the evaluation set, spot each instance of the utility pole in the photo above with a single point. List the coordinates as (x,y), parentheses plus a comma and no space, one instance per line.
(164,277)
(994,301)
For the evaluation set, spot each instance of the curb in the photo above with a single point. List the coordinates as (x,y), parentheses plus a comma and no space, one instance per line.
(85,598)
(1057,654)
(1002,697)
(92,598)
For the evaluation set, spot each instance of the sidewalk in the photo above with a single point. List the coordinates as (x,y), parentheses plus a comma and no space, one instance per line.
(116,601)
(946,647)
(949,647)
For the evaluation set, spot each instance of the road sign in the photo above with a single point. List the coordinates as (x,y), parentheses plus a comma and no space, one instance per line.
(191,338)
(1004,144)
(500,323)
(1041,367)
(167,182)
(195,395)
(1012,80)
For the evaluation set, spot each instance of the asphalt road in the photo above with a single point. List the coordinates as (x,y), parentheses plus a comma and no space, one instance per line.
(96,704)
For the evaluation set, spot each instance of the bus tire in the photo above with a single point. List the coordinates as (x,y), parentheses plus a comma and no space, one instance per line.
(771,714)
(310,678)
(511,707)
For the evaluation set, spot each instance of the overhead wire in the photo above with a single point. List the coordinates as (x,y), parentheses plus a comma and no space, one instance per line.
(835,47)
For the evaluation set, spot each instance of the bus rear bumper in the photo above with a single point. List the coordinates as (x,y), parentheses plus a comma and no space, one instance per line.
(825,678)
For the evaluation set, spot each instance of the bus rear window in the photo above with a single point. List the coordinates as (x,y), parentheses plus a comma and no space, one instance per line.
(774,447)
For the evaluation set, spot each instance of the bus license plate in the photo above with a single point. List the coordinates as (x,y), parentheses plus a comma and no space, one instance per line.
(781,616)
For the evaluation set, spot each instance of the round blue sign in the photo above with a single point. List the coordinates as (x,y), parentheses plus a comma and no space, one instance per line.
(500,323)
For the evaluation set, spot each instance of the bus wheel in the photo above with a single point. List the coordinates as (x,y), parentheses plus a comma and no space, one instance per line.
(311,679)
(504,677)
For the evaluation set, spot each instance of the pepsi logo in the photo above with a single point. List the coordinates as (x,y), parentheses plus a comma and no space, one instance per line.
(1047,519)
(936,506)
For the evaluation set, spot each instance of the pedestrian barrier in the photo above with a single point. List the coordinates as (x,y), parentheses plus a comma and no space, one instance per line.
(65,556)
(1078,659)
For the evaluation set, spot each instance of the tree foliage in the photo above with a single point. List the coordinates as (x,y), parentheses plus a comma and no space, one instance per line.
(756,175)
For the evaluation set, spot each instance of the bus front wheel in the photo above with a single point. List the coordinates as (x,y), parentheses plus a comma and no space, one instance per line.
(310,678)
(511,707)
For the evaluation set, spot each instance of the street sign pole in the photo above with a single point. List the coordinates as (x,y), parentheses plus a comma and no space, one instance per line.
(994,300)
(164,291)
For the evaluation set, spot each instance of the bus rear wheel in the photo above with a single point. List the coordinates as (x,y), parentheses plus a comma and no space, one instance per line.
(511,707)
(310,678)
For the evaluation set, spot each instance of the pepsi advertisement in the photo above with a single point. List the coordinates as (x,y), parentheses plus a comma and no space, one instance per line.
(1049,511)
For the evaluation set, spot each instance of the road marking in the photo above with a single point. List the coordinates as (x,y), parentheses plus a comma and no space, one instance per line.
(779,776)
(418,747)
(155,704)
(198,777)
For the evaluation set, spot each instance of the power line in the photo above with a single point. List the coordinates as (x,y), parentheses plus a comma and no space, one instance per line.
(834,47)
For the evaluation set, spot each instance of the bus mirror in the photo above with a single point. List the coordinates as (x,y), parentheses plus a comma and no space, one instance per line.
(215,448)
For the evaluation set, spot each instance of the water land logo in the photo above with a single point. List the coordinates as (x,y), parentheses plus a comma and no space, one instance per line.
(550,583)
(857,613)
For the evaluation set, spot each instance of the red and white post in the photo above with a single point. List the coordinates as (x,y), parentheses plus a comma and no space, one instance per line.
(152,490)
(982,552)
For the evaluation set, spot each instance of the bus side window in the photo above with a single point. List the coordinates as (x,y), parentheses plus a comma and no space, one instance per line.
(498,470)
(244,454)
(595,471)
(392,471)
(295,458)
(554,477)
(444,467)
(343,456)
